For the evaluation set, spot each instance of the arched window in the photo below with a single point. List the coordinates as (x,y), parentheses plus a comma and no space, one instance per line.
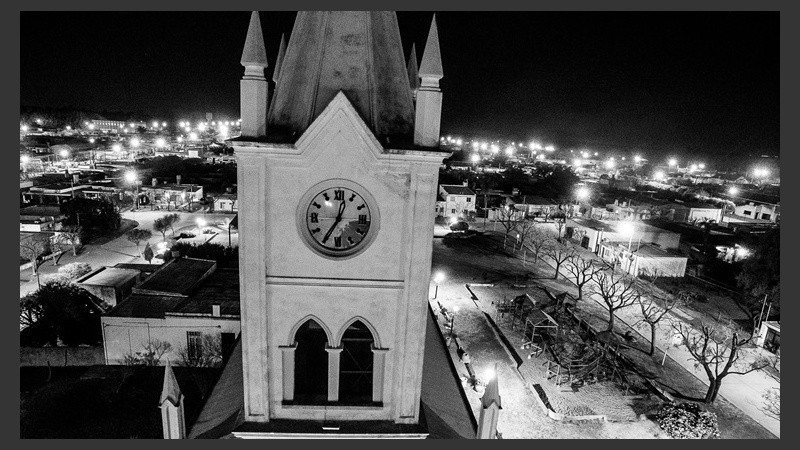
(356,365)
(311,364)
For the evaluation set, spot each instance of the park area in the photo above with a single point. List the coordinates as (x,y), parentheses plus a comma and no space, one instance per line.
(561,373)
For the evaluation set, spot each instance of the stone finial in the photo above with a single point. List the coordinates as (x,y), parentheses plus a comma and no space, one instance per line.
(413,72)
(254,54)
(279,60)
(171,391)
(431,65)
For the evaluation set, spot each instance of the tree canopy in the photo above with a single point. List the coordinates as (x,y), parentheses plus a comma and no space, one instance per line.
(60,310)
(761,272)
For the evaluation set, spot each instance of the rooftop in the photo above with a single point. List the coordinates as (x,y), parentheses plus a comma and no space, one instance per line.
(457,189)
(592,223)
(176,277)
(221,287)
(109,276)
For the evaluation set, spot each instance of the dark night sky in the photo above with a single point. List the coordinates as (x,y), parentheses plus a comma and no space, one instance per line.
(685,82)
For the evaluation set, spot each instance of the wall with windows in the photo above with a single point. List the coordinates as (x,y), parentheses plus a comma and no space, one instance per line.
(127,335)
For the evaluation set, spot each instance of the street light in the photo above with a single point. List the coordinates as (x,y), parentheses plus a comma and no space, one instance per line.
(135,143)
(201,223)
(475,157)
(659,175)
(673,162)
(453,320)
(116,148)
(132,178)
(24,159)
(582,193)
(437,279)
(733,190)
(161,142)
(626,228)
(64,153)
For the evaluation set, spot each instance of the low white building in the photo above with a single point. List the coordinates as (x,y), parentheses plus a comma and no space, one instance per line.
(643,259)
(226,203)
(759,211)
(185,303)
(455,200)
(769,336)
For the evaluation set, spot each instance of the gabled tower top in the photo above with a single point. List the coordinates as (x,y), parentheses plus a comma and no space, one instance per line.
(431,66)
(254,54)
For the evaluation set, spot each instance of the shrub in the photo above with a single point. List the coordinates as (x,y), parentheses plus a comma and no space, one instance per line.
(687,421)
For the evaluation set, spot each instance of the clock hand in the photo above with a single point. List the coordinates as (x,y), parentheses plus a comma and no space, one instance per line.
(336,222)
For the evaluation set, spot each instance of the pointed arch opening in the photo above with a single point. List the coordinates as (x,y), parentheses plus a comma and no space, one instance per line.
(356,365)
(311,364)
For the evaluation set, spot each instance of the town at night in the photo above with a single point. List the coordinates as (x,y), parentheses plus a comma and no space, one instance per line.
(399,225)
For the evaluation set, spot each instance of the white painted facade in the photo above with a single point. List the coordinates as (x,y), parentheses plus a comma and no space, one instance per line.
(284,282)
(761,211)
(127,335)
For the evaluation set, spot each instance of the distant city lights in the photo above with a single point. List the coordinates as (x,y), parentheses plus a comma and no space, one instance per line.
(161,142)
(155,124)
(135,142)
(475,157)
(701,166)
(495,149)
(484,146)
(637,159)
(761,172)
(510,150)
(610,163)
(116,148)
(192,136)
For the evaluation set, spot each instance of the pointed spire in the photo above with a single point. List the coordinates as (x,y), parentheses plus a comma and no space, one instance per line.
(254,53)
(171,391)
(413,72)
(492,392)
(431,65)
(279,60)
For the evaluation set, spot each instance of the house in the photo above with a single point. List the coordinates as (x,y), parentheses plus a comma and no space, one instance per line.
(110,284)
(769,336)
(225,203)
(455,200)
(167,196)
(691,212)
(759,211)
(53,193)
(184,303)
(588,233)
(36,219)
(643,259)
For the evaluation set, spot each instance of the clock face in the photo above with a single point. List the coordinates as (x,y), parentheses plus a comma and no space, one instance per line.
(338,220)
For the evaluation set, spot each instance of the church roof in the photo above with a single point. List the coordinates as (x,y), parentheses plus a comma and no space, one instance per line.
(279,59)
(254,53)
(356,52)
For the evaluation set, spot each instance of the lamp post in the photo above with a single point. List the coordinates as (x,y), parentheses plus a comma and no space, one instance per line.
(132,178)
(453,320)
(437,279)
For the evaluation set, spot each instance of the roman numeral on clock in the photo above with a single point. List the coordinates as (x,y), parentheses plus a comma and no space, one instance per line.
(314,218)
(338,194)
(337,241)
(362,219)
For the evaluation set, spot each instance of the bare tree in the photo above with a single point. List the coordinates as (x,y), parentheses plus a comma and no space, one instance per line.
(717,350)
(137,235)
(525,227)
(559,253)
(772,403)
(150,355)
(656,304)
(207,353)
(70,235)
(508,220)
(560,219)
(537,239)
(581,271)
(618,290)
(31,248)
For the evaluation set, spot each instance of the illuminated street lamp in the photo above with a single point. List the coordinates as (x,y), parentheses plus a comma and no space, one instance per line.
(577,162)
(693,168)
(24,128)
(437,279)
(610,164)
(64,153)
(135,143)
(201,223)
(475,146)
(24,159)
(180,139)
(91,140)
(161,142)
(91,126)
(458,141)
(509,151)
(659,175)
(69,128)
(192,136)
(484,146)
(673,162)
(201,127)
(702,166)
(596,153)
(626,228)
(637,159)
(495,149)
(475,157)
(132,178)
(733,190)
(550,148)
(453,320)
(155,124)
(582,193)
(163,124)
(116,148)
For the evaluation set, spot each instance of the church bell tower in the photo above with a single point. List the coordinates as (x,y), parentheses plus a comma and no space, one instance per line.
(337,185)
